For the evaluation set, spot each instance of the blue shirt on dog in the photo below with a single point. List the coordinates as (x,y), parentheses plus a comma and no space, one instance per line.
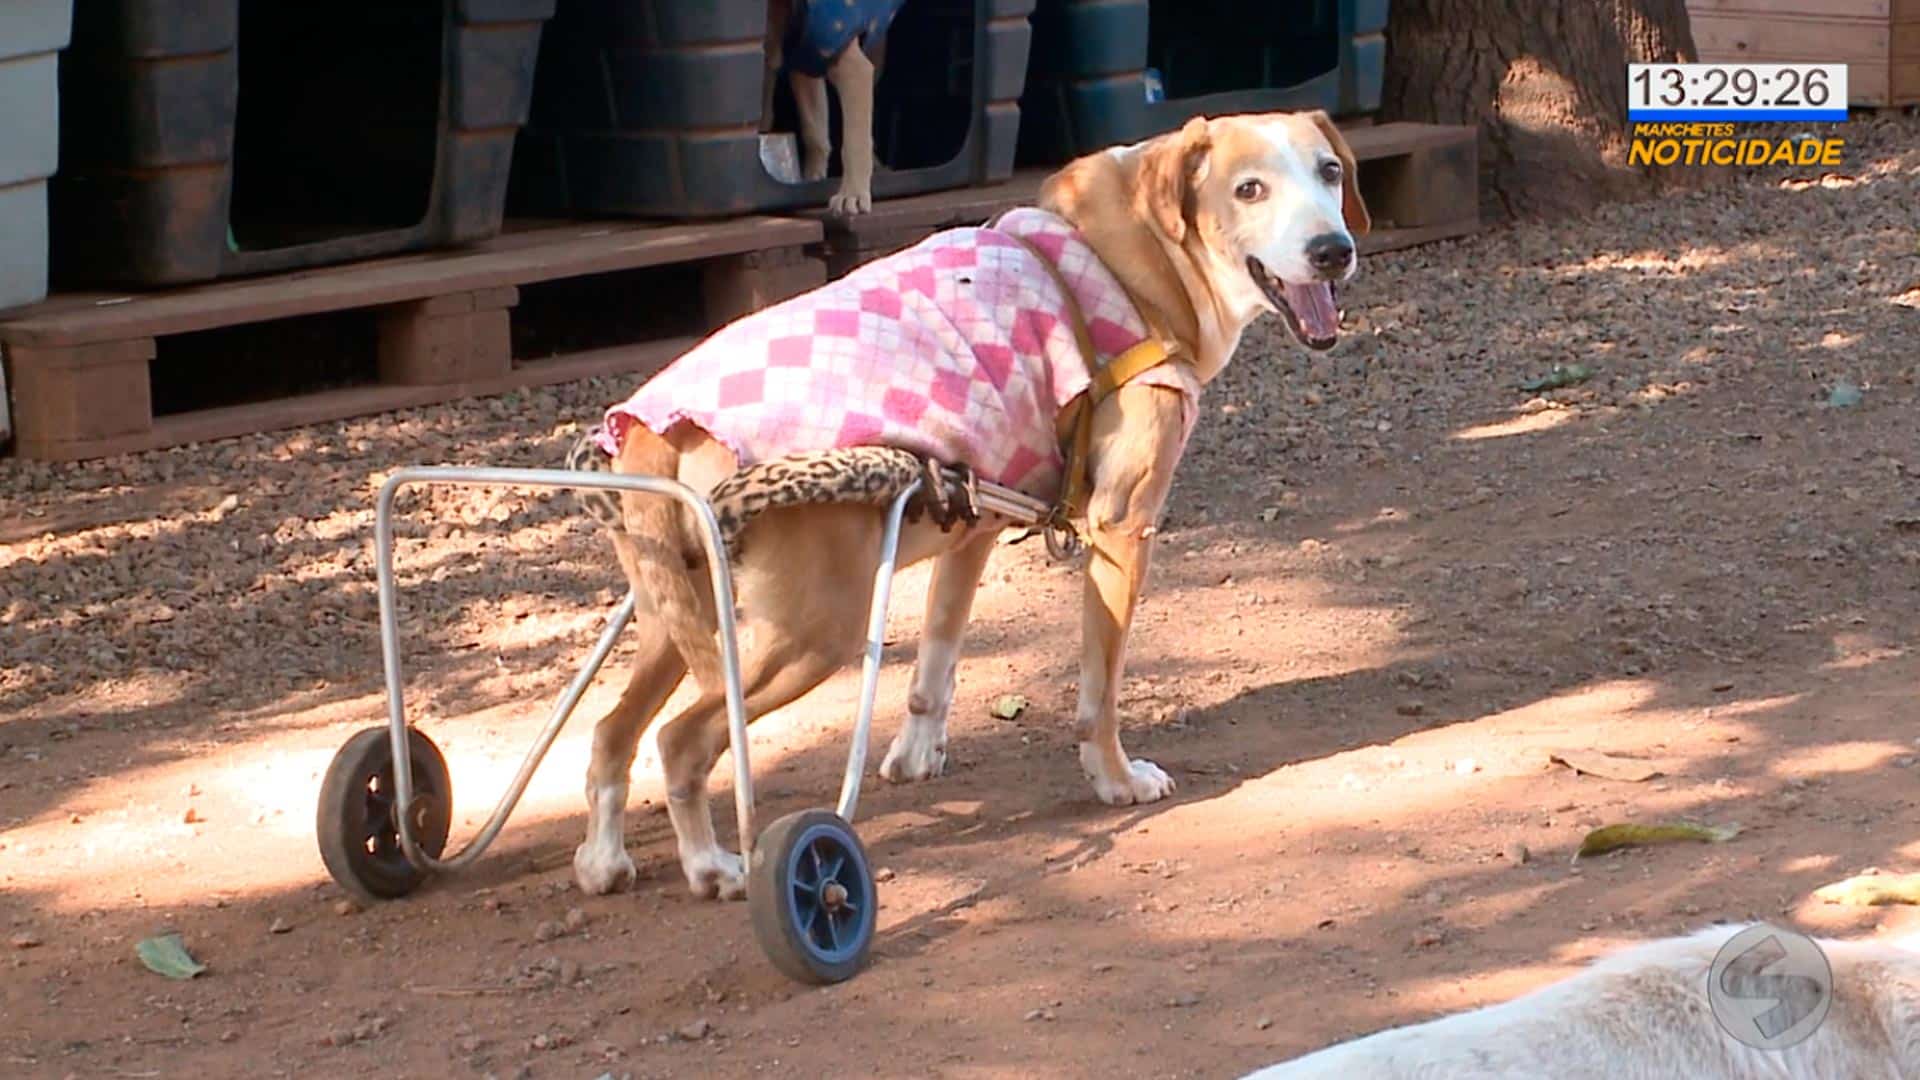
(822,29)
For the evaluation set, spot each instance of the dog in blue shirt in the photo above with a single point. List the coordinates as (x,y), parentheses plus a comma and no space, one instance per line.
(837,41)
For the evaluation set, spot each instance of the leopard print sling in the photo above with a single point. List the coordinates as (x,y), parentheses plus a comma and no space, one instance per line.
(862,475)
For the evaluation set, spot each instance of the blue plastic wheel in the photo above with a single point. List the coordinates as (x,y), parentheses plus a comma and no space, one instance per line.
(811,896)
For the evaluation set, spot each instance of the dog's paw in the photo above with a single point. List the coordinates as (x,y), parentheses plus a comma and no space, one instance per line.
(716,874)
(919,752)
(598,872)
(851,200)
(1142,782)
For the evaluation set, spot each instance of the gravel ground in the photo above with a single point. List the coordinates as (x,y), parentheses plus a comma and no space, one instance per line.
(166,571)
(1392,578)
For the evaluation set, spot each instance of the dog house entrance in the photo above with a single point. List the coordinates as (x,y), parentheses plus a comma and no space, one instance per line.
(1205,47)
(924,102)
(339,119)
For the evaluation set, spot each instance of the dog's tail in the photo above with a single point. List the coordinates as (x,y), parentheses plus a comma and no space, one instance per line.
(601,505)
(660,548)
(671,565)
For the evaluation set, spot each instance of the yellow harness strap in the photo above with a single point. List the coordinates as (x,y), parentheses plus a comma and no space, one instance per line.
(1075,423)
(1076,419)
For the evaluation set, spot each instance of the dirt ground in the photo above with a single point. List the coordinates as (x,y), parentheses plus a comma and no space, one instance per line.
(1393,583)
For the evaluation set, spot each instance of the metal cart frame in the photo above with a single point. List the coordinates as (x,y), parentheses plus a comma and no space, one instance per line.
(783,928)
(722,578)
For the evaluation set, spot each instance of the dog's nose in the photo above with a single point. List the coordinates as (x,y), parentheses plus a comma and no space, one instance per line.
(1330,254)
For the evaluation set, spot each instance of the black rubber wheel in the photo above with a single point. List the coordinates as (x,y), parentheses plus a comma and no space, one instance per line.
(810,893)
(357,820)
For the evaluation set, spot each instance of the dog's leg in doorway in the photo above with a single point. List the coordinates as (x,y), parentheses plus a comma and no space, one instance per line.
(1136,445)
(852,75)
(773,51)
(816,143)
(919,751)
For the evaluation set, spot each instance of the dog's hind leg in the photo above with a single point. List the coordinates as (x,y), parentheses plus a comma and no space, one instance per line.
(803,611)
(690,745)
(919,751)
(601,863)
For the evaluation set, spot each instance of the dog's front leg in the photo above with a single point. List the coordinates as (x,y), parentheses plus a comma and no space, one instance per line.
(852,75)
(1136,445)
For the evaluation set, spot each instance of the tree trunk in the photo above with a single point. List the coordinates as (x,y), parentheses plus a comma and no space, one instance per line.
(1546,82)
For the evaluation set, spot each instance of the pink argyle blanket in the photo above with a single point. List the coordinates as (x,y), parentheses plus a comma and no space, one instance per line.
(959,348)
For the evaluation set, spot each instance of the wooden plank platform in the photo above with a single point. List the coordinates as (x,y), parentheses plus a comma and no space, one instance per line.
(1420,181)
(530,252)
(81,364)
(898,223)
(205,425)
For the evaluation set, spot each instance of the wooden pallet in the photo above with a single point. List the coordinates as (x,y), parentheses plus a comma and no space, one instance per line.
(81,364)
(1420,181)
(898,223)
(1878,40)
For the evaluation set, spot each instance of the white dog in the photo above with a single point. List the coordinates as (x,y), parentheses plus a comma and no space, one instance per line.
(1644,1014)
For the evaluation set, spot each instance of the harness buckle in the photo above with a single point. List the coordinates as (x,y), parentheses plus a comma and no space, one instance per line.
(1063,540)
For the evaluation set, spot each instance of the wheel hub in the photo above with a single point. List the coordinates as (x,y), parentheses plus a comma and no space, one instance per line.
(420,814)
(833,895)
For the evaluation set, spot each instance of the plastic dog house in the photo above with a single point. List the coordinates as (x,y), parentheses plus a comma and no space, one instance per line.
(209,138)
(1116,71)
(652,108)
(32,32)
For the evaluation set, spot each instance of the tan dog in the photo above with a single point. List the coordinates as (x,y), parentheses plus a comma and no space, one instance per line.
(1206,228)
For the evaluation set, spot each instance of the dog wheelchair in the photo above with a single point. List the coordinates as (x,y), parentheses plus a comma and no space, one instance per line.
(386,803)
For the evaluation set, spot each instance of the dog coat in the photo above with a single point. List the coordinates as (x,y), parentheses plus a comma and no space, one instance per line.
(822,29)
(960,348)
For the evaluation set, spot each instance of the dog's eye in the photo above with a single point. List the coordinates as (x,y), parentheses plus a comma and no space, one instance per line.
(1250,191)
(1330,171)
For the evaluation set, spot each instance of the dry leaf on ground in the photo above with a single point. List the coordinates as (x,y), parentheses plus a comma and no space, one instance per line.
(1614,837)
(1872,890)
(1594,763)
(167,955)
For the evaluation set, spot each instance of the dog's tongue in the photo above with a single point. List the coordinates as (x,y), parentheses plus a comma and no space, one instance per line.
(1313,304)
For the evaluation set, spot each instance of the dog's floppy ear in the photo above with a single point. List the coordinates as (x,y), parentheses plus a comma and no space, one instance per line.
(1352,207)
(1171,166)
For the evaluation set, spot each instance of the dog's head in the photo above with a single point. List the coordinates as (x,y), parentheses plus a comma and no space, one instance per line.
(1268,205)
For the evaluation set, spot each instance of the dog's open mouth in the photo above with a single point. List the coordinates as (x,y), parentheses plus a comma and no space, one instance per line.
(1307,309)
